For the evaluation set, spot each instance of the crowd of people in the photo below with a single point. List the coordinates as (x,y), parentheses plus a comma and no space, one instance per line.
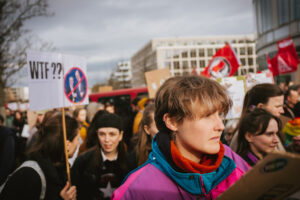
(176,146)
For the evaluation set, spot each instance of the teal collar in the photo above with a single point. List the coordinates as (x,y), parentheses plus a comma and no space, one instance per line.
(194,183)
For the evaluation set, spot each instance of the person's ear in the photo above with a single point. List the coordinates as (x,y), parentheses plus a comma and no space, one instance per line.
(121,136)
(260,105)
(249,137)
(170,122)
(146,128)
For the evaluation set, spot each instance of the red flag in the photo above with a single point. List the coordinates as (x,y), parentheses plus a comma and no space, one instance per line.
(286,60)
(283,63)
(224,63)
(269,64)
(287,45)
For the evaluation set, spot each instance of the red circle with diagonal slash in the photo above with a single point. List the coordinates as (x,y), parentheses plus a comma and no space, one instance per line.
(83,79)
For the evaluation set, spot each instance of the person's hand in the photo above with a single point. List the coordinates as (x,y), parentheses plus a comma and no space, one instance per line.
(68,192)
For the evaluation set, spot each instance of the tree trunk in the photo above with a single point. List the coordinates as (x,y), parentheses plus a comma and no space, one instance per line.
(2,99)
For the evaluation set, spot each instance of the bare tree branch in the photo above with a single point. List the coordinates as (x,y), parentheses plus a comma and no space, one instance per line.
(13,40)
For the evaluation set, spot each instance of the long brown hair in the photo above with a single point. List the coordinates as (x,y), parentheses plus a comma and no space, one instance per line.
(143,146)
(50,141)
(254,123)
(260,93)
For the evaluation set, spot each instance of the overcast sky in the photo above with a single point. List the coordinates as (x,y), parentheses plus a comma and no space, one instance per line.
(108,31)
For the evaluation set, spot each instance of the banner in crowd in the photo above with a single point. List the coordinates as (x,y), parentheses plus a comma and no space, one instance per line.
(18,106)
(275,177)
(286,60)
(254,79)
(223,64)
(236,89)
(56,80)
(155,79)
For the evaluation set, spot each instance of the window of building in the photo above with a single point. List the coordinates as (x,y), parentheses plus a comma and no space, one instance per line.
(185,54)
(283,11)
(193,53)
(266,15)
(193,63)
(176,54)
(201,53)
(177,74)
(209,52)
(202,63)
(242,51)
(243,61)
(250,61)
(258,16)
(185,73)
(185,65)
(295,7)
(251,70)
(176,65)
(250,50)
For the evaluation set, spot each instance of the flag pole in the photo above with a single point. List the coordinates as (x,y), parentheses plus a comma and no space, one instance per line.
(65,144)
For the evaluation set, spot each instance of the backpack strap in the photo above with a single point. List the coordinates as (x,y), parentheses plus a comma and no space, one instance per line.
(34,165)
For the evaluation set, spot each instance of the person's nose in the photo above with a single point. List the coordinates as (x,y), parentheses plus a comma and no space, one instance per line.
(219,123)
(276,139)
(106,138)
(281,111)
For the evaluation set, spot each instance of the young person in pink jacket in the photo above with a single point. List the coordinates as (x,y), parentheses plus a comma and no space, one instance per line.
(187,161)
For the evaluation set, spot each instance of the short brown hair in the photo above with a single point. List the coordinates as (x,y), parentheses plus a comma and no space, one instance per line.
(189,97)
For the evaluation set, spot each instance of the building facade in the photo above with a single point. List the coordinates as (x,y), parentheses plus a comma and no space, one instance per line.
(16,94)
(123,74)
(276,20)
(183,55)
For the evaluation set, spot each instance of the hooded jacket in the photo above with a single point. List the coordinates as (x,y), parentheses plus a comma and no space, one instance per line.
(159,177)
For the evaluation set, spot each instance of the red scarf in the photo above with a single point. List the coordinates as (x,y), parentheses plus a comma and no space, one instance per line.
(208,163)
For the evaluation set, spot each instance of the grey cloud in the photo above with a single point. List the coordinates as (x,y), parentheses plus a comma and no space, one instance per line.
(106,30)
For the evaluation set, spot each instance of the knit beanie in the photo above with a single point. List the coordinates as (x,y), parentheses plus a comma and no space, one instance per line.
(109,120)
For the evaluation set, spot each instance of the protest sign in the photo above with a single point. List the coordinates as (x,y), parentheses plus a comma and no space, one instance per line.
(275,177)
(56,80)
(254,79)
(155,79)
(13,106)
(236,89)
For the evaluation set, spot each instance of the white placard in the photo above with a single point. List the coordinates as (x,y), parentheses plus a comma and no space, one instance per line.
(13,106)
(56,80)
(254,79)
(23,106)
(235,87)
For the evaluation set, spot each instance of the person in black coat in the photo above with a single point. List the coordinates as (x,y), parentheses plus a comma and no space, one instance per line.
(97,172)
(48,152)
(7,151)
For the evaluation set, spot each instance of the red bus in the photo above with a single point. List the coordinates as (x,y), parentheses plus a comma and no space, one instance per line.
(124,95)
